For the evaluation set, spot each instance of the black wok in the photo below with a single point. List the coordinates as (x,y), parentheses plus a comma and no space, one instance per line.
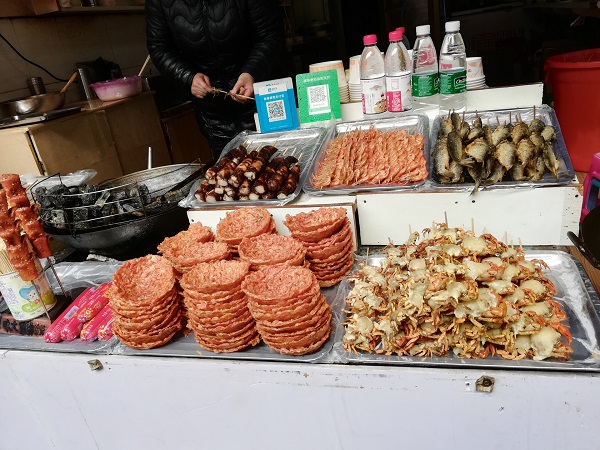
(588,241)
(140,236)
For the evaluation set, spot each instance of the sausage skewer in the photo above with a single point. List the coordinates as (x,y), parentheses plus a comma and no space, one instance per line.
(237,153)
(290,184)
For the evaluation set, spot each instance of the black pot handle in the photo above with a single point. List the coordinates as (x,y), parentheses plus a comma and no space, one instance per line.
(584,251)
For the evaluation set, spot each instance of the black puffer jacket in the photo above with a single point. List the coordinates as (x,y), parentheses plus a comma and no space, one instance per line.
(221,39)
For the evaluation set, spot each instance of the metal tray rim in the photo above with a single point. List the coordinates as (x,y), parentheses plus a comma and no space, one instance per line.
(261,352)
(591,364)
(559,146)
(422,120)
(316,136)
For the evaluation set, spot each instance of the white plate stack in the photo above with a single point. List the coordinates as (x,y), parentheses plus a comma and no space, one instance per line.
(475,75)
(339,67)
(354,80)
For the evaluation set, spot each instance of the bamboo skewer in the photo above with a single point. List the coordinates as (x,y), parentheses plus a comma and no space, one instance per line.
(144,65)
(216,90)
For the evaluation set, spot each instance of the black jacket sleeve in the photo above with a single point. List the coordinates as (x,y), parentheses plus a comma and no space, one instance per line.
(268,37)
(162,49)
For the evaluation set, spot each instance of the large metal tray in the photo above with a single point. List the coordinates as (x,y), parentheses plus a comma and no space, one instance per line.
(574,292)
(37,343)
(302,143)
(566,173)
(186,346)
(414,124)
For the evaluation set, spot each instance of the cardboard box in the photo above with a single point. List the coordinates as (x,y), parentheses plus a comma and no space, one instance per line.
(16,8)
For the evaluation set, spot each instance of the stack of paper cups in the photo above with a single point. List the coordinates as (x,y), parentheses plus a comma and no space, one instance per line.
(338,66)
(475,75)
(354,79)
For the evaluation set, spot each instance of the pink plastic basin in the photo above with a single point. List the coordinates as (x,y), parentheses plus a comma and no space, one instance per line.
(118,88)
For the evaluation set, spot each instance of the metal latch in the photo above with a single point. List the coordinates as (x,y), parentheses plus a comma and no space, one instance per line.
(95,364)
(485,384)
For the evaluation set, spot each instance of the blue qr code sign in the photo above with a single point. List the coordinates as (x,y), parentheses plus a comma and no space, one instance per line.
(276,111)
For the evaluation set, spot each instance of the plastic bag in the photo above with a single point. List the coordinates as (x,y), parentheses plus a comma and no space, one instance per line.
(77,275)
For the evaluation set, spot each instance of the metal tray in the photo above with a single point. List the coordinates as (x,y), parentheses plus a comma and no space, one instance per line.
(303,144)
(414,124)
(37,343)
(574,292)
(566,173)
(75,277)
(16,342)
(187,346)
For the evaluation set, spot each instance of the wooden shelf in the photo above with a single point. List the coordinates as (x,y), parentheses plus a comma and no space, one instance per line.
(101,10)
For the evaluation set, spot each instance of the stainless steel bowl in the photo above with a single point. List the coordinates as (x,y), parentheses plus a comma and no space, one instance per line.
(35,104)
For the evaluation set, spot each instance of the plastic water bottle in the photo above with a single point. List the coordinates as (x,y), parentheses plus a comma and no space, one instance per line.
(453,70)
(372,78)
(425,81)
(404,37)
(397,75)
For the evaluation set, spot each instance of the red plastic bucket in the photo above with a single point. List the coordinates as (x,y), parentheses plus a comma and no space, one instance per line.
(575,79)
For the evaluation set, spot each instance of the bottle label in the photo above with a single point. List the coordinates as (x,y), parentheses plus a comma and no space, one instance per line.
(454,82)
(373,95)
(424,85)
(399,95)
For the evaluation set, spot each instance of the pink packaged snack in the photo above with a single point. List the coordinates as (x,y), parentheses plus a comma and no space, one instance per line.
(73,326)
(95,305)
(106,332)
(90,330)
(53,333)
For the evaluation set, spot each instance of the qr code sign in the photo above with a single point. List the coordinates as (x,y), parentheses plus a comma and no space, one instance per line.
(276,111)
(318,96)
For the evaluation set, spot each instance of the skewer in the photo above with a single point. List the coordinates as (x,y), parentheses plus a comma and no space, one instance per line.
(215,90)
(510,117)
(520,244)
(534,111)
(473,225)
(367,257)
(62,288)
(446,218)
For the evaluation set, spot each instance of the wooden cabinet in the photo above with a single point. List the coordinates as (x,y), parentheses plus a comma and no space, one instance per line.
(111,138)
(22,8)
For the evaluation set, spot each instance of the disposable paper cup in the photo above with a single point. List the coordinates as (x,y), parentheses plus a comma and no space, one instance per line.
(354,69)
(22,297)
(337,65)
(474,68)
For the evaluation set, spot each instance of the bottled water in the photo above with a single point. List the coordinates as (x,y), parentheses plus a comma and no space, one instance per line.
(404,37)
(453,70)
(372,78)
(425,81)
(397,75)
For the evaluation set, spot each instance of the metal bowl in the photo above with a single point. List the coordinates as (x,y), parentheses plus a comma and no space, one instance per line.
(35,104)
(141,236)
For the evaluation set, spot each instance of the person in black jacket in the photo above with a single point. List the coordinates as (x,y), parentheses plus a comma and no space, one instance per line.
(227,44)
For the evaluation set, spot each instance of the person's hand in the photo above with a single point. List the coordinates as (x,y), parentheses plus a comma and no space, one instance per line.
(243,86)
(200,85)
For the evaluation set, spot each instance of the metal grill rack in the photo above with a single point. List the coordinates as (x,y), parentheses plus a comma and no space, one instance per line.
(94,207)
